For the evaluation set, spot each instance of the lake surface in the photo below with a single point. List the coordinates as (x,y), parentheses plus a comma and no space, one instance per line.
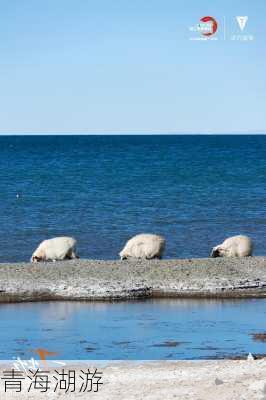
(152,329)
(194,190)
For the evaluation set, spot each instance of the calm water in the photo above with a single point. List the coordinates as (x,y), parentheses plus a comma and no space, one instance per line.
(178,329)
(195,190)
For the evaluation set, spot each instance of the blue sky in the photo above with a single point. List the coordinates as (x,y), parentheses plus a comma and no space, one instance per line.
(81,66)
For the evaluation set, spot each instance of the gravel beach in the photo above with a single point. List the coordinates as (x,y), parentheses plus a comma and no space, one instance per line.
(197,380)
(124,280)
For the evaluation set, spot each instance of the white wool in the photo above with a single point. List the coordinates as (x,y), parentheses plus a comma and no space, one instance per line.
(235,246)
(145,245)
(54,249)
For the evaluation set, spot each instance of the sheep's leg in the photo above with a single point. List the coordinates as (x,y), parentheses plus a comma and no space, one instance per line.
(71,255)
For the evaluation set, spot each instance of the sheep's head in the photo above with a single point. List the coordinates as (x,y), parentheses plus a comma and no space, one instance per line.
(35,259)
(217,251)
(122,255)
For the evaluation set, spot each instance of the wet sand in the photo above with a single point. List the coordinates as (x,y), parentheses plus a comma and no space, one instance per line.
(199,380)
(123,280)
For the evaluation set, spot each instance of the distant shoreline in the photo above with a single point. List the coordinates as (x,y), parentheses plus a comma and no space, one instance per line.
(95,280)
(135,134)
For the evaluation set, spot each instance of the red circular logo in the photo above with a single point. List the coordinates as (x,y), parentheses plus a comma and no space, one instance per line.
(213,25)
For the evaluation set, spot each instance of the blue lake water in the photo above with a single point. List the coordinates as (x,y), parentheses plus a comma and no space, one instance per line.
(194,190)
(152,329)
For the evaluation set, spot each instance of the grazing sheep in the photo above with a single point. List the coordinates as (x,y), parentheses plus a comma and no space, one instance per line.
(59,248)
(145,246)
(235,246)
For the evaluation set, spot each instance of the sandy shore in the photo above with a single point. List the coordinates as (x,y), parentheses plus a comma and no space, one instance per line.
(198,380)
(121,280)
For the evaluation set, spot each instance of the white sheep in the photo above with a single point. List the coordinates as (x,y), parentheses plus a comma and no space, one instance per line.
(144,245)
(235,246)
(59,248)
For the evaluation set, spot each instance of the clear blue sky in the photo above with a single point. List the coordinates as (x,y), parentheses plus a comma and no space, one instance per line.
(81,66)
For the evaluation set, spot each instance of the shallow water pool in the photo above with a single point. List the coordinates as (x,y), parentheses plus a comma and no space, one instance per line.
(151,329)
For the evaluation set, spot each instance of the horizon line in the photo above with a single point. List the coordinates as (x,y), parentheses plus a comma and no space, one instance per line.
(133,133)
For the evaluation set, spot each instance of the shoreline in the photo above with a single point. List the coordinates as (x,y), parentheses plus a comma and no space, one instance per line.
(95,280)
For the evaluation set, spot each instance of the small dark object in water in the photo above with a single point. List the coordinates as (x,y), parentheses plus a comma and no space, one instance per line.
(259,337)
(167,344)
(90,349)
